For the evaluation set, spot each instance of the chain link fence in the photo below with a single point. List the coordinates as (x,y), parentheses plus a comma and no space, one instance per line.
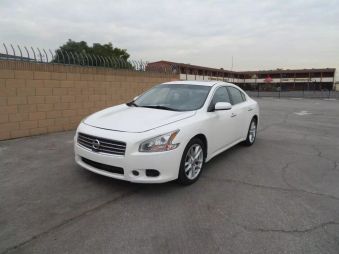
(281,90)
(295,89)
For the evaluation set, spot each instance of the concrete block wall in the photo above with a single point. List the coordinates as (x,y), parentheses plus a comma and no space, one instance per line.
(43,98)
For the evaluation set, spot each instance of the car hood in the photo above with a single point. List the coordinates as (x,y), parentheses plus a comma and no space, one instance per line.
(134,119)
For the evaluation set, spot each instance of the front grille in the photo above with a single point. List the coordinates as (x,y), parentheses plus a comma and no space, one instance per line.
(108,168)
(102,145)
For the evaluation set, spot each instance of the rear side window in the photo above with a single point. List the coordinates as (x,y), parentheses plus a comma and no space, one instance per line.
(236,95)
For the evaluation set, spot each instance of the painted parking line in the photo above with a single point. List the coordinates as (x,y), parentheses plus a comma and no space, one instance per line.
(303,113)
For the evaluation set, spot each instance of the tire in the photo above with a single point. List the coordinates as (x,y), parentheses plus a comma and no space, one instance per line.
(252,133)
(190,172)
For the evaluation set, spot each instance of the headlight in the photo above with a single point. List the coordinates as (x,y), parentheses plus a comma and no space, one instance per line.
(160,144)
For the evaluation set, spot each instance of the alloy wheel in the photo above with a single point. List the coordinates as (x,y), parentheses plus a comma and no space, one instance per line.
(252,132)
(194,161)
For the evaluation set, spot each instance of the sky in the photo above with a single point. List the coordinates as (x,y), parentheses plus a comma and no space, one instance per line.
(258,34)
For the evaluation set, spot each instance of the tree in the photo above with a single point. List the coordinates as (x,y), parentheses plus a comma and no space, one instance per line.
(73,52)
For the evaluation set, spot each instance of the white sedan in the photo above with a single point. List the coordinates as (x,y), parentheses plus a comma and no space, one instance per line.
(167,133)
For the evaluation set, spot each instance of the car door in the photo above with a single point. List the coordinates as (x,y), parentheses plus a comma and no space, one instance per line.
(221,124)
(240,114)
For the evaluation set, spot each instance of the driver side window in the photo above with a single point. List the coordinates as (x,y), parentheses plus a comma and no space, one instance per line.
(220,95)
(237,96)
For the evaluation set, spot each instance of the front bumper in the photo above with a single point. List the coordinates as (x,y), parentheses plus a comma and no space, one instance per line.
(167,163)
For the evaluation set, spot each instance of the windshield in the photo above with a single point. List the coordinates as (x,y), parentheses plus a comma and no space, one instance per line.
(177,97)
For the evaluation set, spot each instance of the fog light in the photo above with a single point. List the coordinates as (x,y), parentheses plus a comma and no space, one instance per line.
(152,173)
(135,172)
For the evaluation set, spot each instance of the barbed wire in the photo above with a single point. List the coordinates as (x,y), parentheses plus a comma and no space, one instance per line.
(64,57)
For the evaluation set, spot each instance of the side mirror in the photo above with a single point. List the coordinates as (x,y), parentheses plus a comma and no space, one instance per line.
(136,97)
(222,106)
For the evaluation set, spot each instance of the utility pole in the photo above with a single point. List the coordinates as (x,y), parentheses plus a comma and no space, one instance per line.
(232,64)
(232,69)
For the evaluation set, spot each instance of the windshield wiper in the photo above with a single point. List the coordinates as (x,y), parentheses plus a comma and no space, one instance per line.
(132,103)
(159,107)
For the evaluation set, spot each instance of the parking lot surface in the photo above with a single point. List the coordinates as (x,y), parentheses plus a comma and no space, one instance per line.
(279,196)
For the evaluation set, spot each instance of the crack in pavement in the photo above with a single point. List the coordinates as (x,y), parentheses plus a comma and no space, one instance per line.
(291,189)
(335,166)
(320,155)
(245,183)
(72,219)
(258,229)
(270,187)
(294,188)
(283,175)
(292,231)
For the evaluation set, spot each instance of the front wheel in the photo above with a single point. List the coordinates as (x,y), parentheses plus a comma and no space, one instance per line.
(252,133)
(192,162)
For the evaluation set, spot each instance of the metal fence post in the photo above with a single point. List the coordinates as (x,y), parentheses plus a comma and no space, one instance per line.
(279,89)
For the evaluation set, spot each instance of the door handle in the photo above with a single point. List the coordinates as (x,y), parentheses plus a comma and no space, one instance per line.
(233,115)
(249,109)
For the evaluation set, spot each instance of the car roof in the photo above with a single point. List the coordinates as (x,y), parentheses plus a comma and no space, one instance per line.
(200,83)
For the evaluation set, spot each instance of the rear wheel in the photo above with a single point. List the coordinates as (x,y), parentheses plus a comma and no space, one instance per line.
(192,162)
(252,133)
